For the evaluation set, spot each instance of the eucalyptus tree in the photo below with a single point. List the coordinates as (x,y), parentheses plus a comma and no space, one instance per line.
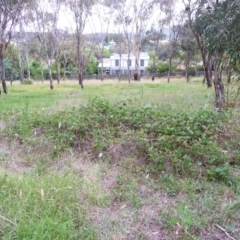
(67,50)
(144,12)
(173,43)
(194,10)
(81,10)
(120,48)
(11,56)
(103,20)
(45,16)
(63,45)
(156,33)
(221,28)
(23,41)
(124,19)
(188,45)
(10,11)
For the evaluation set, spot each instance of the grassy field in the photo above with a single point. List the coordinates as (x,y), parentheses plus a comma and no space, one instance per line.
(149,160)
(175,95)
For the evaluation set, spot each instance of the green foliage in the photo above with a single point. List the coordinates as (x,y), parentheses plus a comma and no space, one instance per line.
(126,189)
(200,68)
(106,53)
(35,69)
(192,71)
(11,62)
(221,32)
(184,217)
(178,143)
(161,67)
(27,82)
(92,66)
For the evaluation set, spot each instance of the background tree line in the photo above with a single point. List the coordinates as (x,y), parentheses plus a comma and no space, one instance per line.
(202,36)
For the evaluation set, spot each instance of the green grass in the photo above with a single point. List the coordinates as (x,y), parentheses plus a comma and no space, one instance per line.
(114,161)
(43,207)
(173,96)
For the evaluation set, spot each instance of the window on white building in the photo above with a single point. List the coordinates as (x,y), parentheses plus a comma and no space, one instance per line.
(116,62)
(129,63)
(142,63)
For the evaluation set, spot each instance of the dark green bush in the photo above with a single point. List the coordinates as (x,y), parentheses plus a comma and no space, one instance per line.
(192,71)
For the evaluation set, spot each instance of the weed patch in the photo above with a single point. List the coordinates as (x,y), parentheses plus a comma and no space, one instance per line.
(182,144)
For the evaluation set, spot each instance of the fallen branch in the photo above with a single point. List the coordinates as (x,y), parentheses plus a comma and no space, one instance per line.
(216,225)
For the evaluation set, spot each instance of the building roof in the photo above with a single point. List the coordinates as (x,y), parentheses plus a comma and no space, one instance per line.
(143,55)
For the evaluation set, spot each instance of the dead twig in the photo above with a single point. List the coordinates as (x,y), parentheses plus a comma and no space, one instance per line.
(7,220)
(216,225)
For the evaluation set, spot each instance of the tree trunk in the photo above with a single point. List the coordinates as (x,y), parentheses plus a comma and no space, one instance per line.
(137,53)
(11,78)
(64,71)
(129,80)
(154,66)
(229,75)
(28,65)
(20,65)
(3,79)
(187,67)
(137,66)
(42,73)
(4,85)
(58,73)
(50,76)
(207,76)
(206,66)
(80,80)
(80,62)
(120,63)
(219,91)
(169,69)
(102,67)
(120,66)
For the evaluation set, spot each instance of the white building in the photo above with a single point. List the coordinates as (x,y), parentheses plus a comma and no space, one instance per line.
(118,64)
(106,66)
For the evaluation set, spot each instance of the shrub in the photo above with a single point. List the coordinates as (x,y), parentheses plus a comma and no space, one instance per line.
(27,82)
(192,71)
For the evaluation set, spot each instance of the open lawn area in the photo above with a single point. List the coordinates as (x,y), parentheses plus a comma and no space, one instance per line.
(178,95)
(114,161)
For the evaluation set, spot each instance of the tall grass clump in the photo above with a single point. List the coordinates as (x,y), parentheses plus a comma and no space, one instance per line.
(43,207)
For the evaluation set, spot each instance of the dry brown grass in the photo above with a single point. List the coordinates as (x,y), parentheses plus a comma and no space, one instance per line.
(97,82)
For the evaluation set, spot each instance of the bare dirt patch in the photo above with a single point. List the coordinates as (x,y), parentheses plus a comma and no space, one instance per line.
(110,179)
(2,125)
(10,157)
(121,221)
(215,233)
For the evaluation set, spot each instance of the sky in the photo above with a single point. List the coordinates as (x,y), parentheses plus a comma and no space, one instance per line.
(66,22)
